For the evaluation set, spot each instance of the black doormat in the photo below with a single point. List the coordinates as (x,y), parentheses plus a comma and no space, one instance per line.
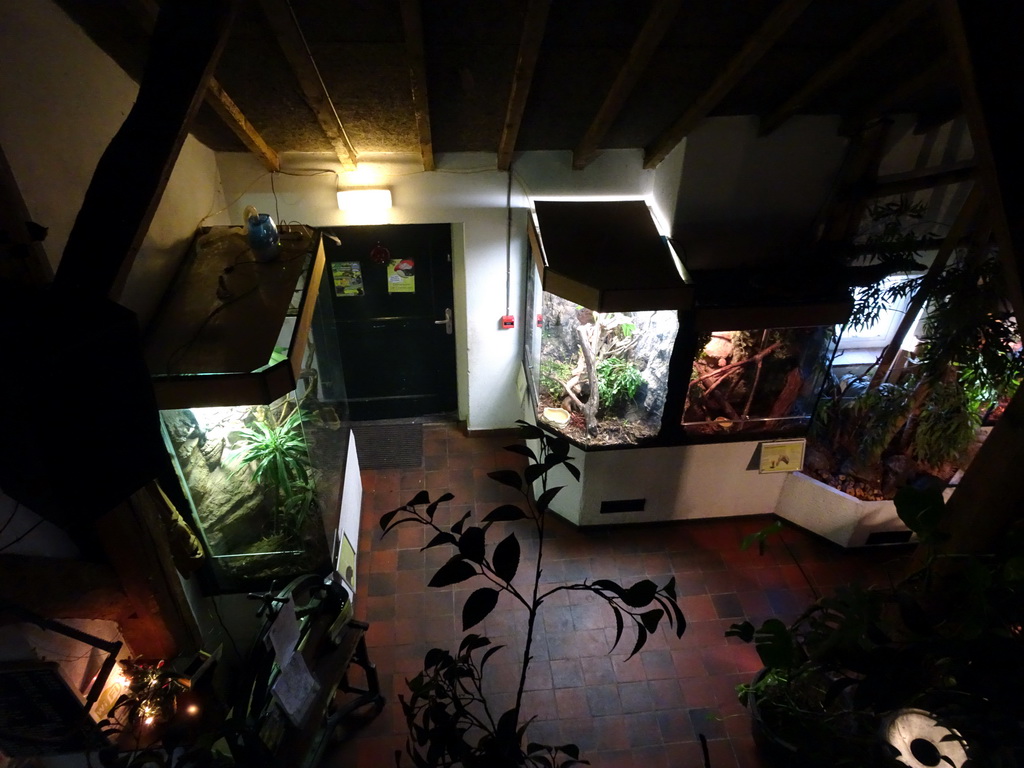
(389,445)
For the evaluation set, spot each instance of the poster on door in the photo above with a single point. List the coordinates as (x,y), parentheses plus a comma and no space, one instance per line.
(401,276)
(348,278)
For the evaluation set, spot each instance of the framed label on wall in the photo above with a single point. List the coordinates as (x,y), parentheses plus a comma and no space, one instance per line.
(782,456)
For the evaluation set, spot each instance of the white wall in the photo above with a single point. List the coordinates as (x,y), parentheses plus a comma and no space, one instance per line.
(468,192)
(744,196)
(58,113)
(685,482)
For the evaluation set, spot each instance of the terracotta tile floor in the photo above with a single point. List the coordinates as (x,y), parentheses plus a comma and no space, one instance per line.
(647,711)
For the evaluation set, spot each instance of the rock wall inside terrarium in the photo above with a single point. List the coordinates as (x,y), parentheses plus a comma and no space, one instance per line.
(602,376)
(255,492)
(755,383)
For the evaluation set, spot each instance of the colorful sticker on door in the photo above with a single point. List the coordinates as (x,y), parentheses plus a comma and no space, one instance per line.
(348,278)
(401,276)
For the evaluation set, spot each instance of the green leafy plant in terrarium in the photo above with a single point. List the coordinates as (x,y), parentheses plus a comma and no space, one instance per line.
(617,382)
(968,358)
(451,722)
(275,450)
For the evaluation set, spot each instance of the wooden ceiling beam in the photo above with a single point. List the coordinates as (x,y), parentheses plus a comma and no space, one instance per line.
(234,119)
(145,12)
(922,178)
(522,78)
(412,24)
(640,55)
(878,34)
(982,46)
(133,171)
(985,46)
(285,27)
(939,70)
(774,27)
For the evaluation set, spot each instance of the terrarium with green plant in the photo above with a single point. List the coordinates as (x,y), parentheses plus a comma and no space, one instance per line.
(918,413)
(601,376)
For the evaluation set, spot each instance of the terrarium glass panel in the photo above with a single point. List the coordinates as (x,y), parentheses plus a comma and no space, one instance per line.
(254,480)
(756,383)
(601,377)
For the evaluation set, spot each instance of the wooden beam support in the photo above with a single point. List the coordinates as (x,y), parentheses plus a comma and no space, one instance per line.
(774,27)
(878,34)
(922,178)
(859,170)
(22,256)
(412,24)
(285,27)
(939,70)
(983,46)
(233,118)
(529,50)
(658,22)
(145,13)
(133,171)
(967,216)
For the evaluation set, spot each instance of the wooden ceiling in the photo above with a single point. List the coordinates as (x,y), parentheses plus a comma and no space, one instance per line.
(365,78)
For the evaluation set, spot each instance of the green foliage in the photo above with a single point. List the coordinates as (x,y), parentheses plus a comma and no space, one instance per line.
(618,381)
(947,424)
(553,375)
(450,722)
(946,639)
(275,449)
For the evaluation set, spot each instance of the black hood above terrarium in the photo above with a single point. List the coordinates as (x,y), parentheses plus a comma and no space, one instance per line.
(608,256)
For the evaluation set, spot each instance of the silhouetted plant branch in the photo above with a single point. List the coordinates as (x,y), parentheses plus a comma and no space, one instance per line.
(450,722)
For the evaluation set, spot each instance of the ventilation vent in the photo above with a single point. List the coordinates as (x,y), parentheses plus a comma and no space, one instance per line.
(623,505)
(887,537)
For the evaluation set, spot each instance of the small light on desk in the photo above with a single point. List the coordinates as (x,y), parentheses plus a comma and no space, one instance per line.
(364,199)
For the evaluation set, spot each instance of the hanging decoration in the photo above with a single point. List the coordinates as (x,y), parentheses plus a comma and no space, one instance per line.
(379,254)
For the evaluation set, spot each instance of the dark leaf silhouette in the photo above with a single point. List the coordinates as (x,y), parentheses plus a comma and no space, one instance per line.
(507,477)
(478,605)
(506,513)
(441,538)
(471,545)
(455,570)
(544,500)
(529,431)
(432,507)
(522,450)
(506,557)
(640,594)
(420,498)
(651,618)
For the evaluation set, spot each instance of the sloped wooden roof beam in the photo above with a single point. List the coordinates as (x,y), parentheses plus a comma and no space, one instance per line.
(412,23)
(646,43)
(885,29)
(526,63)
(776,25)
(285,28)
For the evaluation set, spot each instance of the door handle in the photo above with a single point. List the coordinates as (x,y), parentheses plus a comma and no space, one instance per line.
(447,322)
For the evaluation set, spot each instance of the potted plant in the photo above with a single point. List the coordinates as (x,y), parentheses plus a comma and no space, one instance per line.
(451,722)
(941,646)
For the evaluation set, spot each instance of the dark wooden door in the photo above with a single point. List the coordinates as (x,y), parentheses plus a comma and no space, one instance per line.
(392,294)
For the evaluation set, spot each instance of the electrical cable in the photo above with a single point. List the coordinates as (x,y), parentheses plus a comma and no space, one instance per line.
(341,126)
(508,246)
(10,544)
(17,506)
(277,207)
(227,632)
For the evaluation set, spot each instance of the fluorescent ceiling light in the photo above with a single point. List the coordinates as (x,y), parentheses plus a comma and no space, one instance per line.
(364,199)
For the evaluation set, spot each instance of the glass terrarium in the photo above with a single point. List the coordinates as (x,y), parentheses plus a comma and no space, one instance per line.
(753,384)
(253,409)
(606,290)
(602,376)
(255,478)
